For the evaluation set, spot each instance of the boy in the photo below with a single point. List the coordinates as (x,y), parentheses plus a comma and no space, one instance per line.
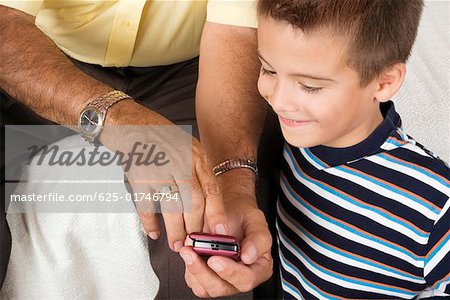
(364,209)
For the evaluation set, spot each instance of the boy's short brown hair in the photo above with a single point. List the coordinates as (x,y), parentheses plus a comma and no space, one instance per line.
(380,33)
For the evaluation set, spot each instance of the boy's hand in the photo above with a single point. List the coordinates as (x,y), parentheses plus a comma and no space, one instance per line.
(221,276)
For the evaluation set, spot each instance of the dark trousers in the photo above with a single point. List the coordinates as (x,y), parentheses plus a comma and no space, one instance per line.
(169,90)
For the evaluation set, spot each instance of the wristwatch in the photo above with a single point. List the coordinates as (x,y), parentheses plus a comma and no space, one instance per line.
(92,117)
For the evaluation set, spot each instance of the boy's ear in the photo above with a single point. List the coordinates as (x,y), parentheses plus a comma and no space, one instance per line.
(390,81)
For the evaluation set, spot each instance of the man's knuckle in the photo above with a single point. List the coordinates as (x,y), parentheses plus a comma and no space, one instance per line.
(194,270)
(146,215)
(265,274)
(218,291)
(197,204)
(265,238)
(199,292)
(212,190)
(248,285)
(195,186)
(197,196)
(259,214)
(245,288)
(188,279)
(269,274)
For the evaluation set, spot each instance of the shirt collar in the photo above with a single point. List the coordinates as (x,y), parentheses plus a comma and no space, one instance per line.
(371,145)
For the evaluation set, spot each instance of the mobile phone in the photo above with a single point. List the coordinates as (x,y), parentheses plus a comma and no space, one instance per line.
(207,244)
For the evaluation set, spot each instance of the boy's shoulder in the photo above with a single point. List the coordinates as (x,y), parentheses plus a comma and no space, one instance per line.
(412,162)
(407,149)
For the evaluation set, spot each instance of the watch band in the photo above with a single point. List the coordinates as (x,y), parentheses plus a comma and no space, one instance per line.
(105,101)
(235,163)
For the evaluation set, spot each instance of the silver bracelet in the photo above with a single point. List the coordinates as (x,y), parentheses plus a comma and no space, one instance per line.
(235,163)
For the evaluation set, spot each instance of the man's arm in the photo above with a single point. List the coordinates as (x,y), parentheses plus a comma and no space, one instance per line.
(230,114)
(35,72)
(230,111)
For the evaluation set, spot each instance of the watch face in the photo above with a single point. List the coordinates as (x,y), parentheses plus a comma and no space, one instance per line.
(90,121)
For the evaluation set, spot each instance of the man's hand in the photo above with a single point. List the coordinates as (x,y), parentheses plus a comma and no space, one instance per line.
(201,200)
(161,156)
(221,276)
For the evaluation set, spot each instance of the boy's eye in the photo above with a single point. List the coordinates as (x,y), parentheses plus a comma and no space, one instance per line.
(310,89)
(267,72)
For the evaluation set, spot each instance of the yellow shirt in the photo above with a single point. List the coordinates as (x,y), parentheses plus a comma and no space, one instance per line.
(133,32)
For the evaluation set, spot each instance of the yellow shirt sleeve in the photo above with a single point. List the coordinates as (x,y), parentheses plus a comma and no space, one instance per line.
(232,12)
(132,32)
(29,7)
(124,32)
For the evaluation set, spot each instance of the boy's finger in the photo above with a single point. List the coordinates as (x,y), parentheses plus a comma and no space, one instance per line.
(215,213)
(207,278)
(243,277)
(257,238)
(193,206)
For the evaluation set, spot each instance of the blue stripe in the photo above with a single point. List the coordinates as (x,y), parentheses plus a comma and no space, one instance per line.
(394,142)
(289,153)
(402,134)
(392,189)
(438,248)
(426,173)
(359,204)
(314,158)
(345,254)
(443,283)
(297,294)
(297,271)
(343,278)
(343,227)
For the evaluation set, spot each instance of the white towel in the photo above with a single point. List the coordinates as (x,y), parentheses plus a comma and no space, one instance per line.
(76,255)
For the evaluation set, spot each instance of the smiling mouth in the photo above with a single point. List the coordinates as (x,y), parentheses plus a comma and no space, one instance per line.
(294,123)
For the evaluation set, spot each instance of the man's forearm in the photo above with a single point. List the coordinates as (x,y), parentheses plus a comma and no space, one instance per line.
(35,72)
(230,111)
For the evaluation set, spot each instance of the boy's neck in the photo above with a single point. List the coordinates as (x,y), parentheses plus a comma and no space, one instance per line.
(370,145)
(357,136)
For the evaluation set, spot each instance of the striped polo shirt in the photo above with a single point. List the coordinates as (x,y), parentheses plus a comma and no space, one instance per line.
(370,221)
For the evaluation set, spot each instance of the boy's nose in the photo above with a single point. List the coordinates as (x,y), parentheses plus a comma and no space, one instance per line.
(282,99)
